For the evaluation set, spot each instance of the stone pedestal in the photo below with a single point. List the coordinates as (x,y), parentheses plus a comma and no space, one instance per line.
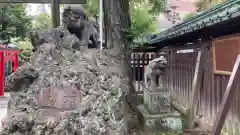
(164,122)
(157,113)
(158,101)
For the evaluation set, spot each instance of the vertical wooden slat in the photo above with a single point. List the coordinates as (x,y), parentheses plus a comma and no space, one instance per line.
(208,101)
(181,78)
(237,129)
(218,91)
(138,71)
(185,77)
(178,77)
(213,82)
(188,76)
(134,69)
(171,70)
(143,67)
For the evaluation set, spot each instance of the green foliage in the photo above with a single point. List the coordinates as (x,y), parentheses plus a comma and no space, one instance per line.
(15,22)
(24,44)
(202,5)
(92,7)
(25,54)
(156,6)
(189,16)
(42,21)
(142,14)
(207,4)
(143,23)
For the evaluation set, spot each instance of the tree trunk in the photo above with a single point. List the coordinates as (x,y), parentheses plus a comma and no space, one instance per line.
(117,25)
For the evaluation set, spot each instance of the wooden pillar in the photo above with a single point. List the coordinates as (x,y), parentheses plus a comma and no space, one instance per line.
(2,73)
(16,61)
(194,97)
(55,13)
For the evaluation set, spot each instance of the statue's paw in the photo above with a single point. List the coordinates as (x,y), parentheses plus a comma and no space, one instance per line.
(90,42)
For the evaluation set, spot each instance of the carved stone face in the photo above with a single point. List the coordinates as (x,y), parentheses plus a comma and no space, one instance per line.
(72,17)
(75,20)
(161,62)
(159,66)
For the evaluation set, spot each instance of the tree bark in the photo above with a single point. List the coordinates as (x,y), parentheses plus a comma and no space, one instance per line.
(117,25)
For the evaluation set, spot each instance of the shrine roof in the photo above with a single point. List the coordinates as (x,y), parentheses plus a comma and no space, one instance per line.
(228,10)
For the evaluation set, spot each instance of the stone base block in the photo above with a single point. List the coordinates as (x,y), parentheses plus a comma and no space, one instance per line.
(167,122)
(157,102)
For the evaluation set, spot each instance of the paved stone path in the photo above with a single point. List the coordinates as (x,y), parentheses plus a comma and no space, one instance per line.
(3,107)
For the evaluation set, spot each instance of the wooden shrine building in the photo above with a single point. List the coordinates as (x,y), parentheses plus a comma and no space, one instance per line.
(203,72)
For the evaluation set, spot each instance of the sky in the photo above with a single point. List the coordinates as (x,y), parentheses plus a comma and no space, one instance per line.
(34,9)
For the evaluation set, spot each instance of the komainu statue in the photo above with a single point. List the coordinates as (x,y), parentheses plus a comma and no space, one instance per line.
(76,21)
(155,68)
(156,112)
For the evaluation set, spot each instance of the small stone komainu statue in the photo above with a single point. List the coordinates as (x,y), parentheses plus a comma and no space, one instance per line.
(156,67)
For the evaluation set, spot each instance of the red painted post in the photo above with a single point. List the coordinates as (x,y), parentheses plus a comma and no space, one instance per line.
(2,74)
(16,62)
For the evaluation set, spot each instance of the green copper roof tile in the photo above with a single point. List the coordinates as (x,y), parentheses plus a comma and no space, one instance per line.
(225,11)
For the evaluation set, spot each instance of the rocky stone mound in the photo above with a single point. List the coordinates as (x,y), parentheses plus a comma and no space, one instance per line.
(65,89)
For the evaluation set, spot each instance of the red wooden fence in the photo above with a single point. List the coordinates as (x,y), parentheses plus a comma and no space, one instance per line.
(7,55)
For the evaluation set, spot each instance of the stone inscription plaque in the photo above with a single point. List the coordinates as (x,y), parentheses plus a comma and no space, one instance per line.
(157,102)
(60,99)
(161,103)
